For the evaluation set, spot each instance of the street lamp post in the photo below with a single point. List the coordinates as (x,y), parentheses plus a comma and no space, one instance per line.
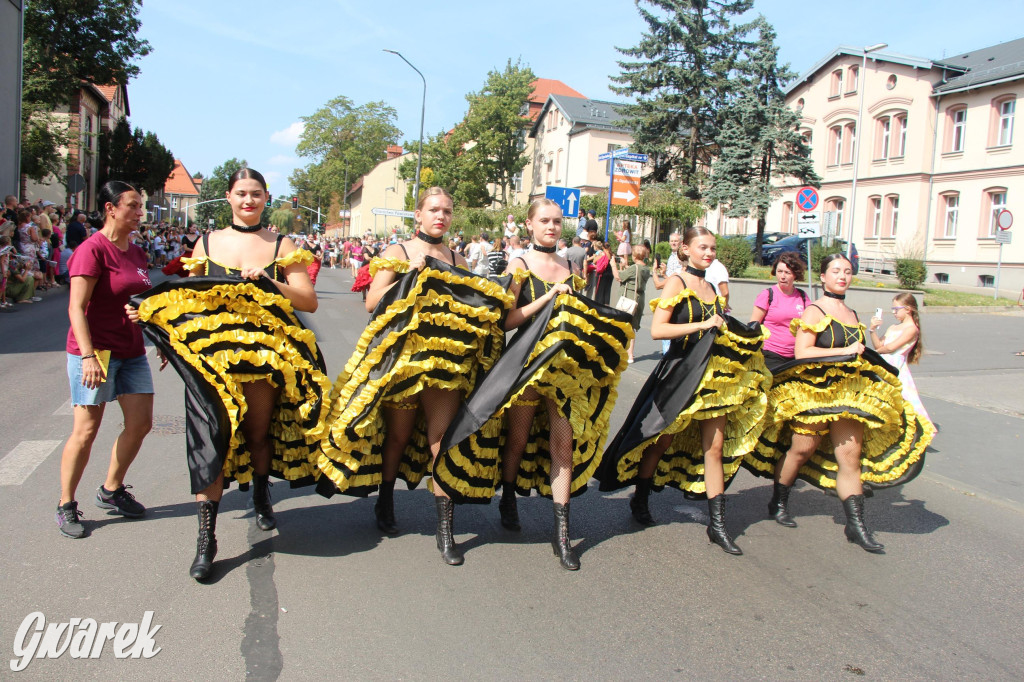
(423,112)
(862,78)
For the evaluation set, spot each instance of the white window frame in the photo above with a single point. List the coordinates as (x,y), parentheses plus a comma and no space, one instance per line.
(886,132)
(1007,109)
(998,203)
(952,216)
(894,215)
(959,129)
(903,134)
(840,205)
(876,217)
(837,132)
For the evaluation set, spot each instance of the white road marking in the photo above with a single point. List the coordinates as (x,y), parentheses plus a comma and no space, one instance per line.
(18,464)
(65,409)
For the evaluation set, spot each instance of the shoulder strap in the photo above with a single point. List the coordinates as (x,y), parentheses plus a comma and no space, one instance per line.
(527,265)
(771,296)
(406,253)
(452,254)
(206,243)
(803,296)
(277,245)
(815,305)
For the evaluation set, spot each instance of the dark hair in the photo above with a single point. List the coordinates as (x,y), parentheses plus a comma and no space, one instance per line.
(792,260)
(21,216)
(690,234)
(245,173)
(827,260)
(112,191)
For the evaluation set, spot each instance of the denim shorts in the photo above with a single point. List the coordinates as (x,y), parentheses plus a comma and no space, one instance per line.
(124,376)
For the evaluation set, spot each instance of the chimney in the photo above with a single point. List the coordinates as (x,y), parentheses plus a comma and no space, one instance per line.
(394,151)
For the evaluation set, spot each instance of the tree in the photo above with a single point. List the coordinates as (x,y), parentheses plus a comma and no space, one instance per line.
(284,219)
(494,127)
(452,167)
(135,157)
(681,79)
(341,137)
(760,141)
(68,42)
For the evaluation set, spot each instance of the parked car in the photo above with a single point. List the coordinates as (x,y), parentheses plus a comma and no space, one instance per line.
(769,252)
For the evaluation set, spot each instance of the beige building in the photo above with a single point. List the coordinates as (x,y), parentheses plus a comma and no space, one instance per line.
(382,188)
(568,136)
(939,158)
(178,199)
(95,109)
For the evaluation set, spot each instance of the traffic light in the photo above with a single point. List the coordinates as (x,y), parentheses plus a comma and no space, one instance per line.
(295,202)
(270,200)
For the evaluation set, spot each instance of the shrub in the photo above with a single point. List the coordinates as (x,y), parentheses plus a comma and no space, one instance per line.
(911,272)
(663,250)
(734,254)
(818,251)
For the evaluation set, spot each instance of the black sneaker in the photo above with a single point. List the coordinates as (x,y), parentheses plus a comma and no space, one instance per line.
(120,501)
(68,520)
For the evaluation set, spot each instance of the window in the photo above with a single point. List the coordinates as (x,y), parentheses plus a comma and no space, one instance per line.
(884,132)
(893,206)
(836,205)
(901,139)
(958,128)
(1006,110)
(951,215)
(942,278)
(851,141)
(517,182)
(875,219)
(787,216)
(836,146)
(837,83)
(558,166)
(998,203)
(174,202)
(853,72)
(987,281)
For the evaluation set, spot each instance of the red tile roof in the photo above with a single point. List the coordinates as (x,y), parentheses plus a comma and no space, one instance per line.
(542,87)
(108,91)
(180,182)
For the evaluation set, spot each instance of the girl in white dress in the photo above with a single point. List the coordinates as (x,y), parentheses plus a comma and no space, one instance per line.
(901,346)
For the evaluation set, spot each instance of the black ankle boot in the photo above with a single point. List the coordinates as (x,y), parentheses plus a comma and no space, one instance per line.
(717,532)
(778,507)
(445,535)
(638,503)
(563,548)
(507,507)
(384,510)
(206,544)
(261,502)
(856,531)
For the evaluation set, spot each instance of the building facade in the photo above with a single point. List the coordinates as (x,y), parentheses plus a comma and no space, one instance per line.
(938,159)
(176,204)
(381,188)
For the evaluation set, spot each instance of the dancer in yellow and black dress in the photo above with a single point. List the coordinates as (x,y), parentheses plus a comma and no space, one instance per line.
(702,408)
(566,357)
(435,326)
(254,376)
(838,418)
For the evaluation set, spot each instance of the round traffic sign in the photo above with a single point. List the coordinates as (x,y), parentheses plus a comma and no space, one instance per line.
(807,198)
(1004,219)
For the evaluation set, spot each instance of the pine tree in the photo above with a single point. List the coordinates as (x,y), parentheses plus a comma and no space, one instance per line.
(759,144)
(681,78)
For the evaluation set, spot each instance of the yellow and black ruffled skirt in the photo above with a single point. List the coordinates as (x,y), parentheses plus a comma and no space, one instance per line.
(437,327)
(860,387)
(721,373)
(572,352)
(220,332)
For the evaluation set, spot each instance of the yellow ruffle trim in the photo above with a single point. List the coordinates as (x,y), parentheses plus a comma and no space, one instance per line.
(575,282)
(300,256)
(584,391)
(895,436)
(397,264)
(679,298)
(351,452)
(197,320)
(796,324)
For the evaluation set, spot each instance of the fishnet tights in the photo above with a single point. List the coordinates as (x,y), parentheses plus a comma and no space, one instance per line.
(520,421)
(439,408)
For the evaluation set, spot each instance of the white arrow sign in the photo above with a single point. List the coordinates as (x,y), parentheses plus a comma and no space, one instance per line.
(627,195)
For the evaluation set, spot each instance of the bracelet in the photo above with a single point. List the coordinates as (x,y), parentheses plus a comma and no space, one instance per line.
(90,355)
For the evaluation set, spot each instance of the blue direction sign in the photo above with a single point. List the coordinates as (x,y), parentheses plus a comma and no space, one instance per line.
(566,197)
(807,198)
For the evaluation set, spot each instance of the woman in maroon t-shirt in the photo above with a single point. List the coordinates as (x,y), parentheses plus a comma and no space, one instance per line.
(106,357)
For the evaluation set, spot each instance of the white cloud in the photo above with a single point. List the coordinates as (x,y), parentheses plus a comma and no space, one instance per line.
(275,182)
(289,137)
(282,160)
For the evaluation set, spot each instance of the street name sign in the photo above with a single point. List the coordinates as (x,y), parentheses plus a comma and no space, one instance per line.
(394,212)
(566,197)
(623,154)
(626,183)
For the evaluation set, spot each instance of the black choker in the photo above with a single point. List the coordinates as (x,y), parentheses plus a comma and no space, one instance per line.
(543,249)
(695,272)
(839,297)
(247,228)
(420,234)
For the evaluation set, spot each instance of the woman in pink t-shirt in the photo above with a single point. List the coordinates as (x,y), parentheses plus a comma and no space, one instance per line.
(777,306)
(106,357)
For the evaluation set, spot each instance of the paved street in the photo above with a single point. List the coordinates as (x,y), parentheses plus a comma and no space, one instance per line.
(325,595)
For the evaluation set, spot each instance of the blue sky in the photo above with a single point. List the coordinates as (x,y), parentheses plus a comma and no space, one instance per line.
(231,79)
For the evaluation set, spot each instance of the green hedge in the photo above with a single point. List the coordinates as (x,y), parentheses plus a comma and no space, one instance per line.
(734,252)
(911,272)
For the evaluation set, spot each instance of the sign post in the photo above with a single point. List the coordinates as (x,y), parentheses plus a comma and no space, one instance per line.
(628,187)
(808,225)
(567,198)
(1004,221)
